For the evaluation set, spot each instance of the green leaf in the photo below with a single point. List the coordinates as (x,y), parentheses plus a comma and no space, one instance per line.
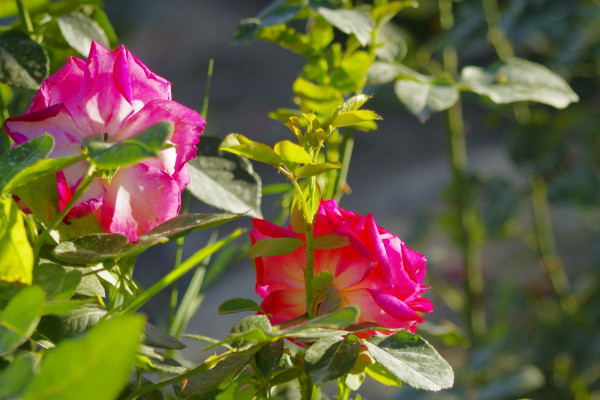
(242,146)
(58,282)
(20,317)
(382,375)
(320,99)
(412,360)
(268,357)
(381,72)
(292,153)
(153,361)
(45,208)
(71,323)
(9,8)
(16,254)
(316,169)
(58,307)
(23,62)
(38,170)
(97,247)
(224,180)
(350,75)
(91,249)
(236,305)
(14,378)
(95,366)
(518,80)
(353,103)
(330,241)
(321,281)
(147,143)
(340,318)
(23,156)
(330,358)
(384,13)
(354,117)
(275,247)
(423,98)
(157,338)
(79,31)
(209,383)
(183,225)
(351,22)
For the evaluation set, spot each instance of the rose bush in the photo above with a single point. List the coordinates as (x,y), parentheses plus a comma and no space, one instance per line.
(373,270)
(114,95)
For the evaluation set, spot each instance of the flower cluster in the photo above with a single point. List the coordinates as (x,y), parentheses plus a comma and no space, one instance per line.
(374,271)
(115,95)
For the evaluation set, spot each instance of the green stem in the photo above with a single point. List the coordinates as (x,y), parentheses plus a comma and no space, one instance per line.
(495,35)
(465,212)
(550,260)
(310,269)
(85,183)
(186,206)
(178,258)
(177,273)
(4,115)
(343,390)
(24,15)
(346,156)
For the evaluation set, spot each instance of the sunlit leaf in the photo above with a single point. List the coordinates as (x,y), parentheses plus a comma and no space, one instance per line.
(94,366)
(518,80)
(358,23)
(241,145)
(291,152)
(79,31)
(422,98)
(412,360)
(20,318)
(275,246)
(23,156)
(147,143)
(16,254)
(224,180)
(316,169)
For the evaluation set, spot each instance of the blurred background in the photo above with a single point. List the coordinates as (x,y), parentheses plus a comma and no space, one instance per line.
(537,341)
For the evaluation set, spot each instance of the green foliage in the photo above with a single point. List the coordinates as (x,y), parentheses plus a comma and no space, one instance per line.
(412,360)
(79,30)
(330,358)
(20,317)
(91,249)
(96,365)
(224,180)
(16,263)
(130,151)
(518,80)
(23,62)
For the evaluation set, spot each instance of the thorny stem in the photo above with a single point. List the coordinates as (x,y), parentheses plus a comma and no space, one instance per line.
(467,217)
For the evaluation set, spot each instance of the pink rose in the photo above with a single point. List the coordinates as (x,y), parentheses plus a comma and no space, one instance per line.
(375,271)
(113,94)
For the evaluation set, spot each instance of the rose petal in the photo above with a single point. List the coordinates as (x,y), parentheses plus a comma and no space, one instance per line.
(138,199)
(284,305)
